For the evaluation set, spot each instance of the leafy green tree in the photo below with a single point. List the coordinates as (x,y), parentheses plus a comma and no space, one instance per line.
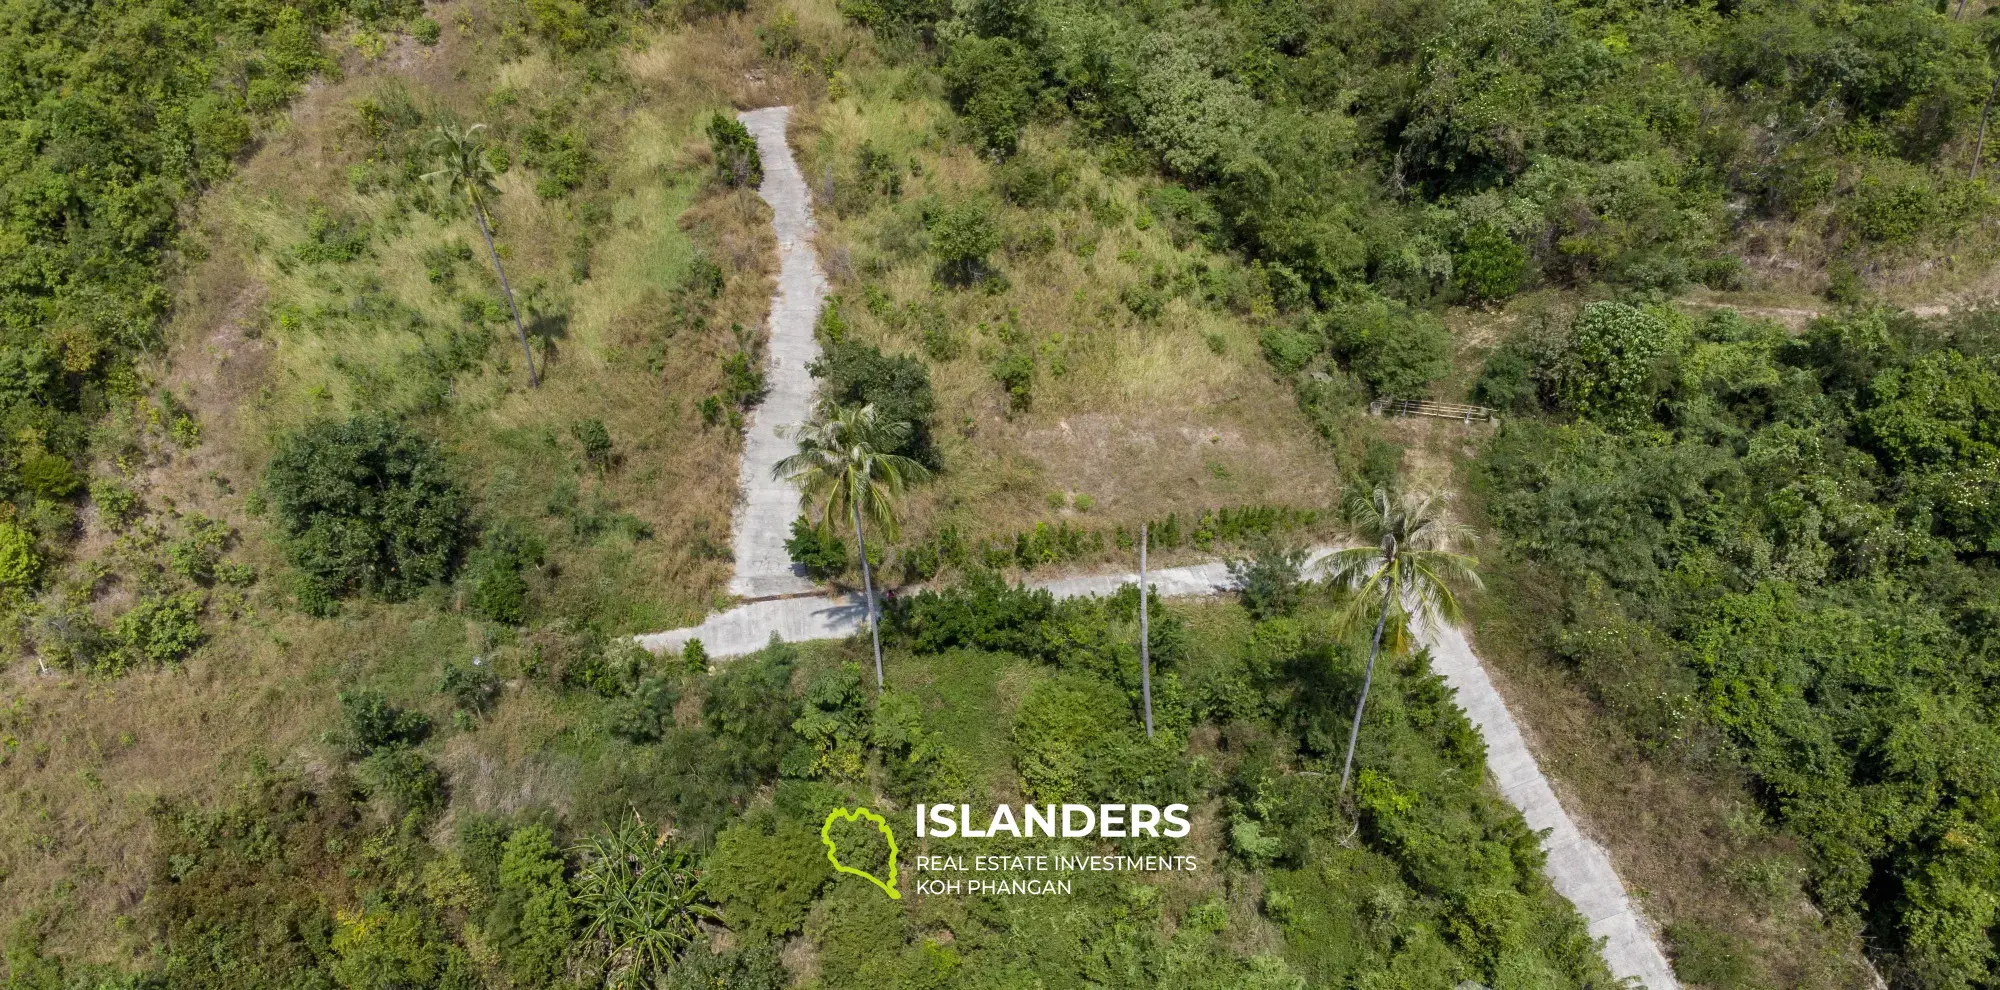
(366,504)
(844,467)
(464,167)
(1607,371)
(995,84)
(1489,265)
(1407,574)
(961,237)
(899,387)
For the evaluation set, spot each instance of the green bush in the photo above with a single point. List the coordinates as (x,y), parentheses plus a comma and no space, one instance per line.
(765,872)
(1270,580)
(1608,371)
(368,723)
(48,475)
(595,440)
(473,687)
(736,160)
(1397,351)
(116,503)
(404,778)
(19,562)
(818,549)
(533,921)
(1015,371)
(497,566)
(961,238)
(366,504)
(756,967)
(160,628)
(647,713)
(1290,349)
(195,555)
(1489,265)
(994,84)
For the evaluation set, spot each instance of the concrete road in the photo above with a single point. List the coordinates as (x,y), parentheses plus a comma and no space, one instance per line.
(764,516)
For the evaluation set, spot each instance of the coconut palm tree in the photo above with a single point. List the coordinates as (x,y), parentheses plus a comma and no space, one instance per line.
(844,467)
(465,169)
(1407,574)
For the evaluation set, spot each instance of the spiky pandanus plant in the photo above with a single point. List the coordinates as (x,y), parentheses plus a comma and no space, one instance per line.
(844,468)
(1405,575)
(641,903)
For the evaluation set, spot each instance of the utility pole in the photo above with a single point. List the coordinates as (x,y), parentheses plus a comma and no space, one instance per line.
(1145,641)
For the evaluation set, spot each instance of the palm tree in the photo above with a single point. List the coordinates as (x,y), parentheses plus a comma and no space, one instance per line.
(1408,572)
(464,169)
(844,468)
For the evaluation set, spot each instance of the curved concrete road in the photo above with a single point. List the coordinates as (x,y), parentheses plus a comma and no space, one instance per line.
(764,517)
(786,605)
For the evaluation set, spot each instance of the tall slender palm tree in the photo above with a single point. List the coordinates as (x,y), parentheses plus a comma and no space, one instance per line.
(465,169)
(1406,574)
(844,467)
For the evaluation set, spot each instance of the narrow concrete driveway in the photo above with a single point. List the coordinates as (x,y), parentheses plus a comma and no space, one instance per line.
(764,517)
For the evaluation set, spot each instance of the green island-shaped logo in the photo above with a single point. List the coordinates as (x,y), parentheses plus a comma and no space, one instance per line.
(833,851)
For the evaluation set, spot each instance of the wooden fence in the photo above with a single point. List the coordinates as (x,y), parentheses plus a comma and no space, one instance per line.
(1425,407)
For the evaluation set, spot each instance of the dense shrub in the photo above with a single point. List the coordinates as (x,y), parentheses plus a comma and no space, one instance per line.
(368,723)
(1608,372)
(647,713)
(961,238)
(736,160)
(19,562)
(995,85)
(404,778)
(1780,549)
(1398,352)
(1489,265)
(159,628)
(366,504)
(1270,580)
(818,549)
(533,920)
(497,569)
(766,872)
(855,374)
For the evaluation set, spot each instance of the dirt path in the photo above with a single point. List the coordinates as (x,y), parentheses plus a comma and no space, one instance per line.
(1578,868)
(764,517)
(1796,318)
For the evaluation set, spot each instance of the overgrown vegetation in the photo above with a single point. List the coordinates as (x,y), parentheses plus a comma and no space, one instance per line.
(1777,551)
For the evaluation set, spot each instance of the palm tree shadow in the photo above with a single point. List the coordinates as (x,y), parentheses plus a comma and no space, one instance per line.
(548,330)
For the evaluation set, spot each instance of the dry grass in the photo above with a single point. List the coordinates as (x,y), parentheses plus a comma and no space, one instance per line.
(83,760)
(1145,416)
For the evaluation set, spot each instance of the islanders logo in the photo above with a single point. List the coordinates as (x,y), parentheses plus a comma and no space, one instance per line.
(833,850)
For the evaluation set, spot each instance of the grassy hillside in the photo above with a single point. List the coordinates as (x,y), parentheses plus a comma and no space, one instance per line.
(1122,265)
